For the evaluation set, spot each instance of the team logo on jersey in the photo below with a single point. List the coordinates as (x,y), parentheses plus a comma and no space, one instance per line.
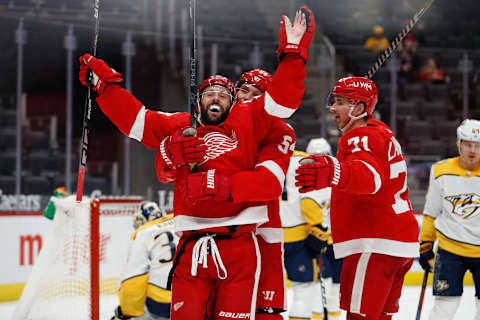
(217,144)
(466,206)
(177,305)
(441,285)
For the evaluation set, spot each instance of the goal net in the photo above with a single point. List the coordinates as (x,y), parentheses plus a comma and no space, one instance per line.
(80,263)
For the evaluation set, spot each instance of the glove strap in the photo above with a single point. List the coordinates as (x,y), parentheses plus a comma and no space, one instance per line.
(163,153)
(293,48)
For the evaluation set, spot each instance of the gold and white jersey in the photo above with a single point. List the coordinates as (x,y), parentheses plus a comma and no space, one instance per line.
(150,259)
(299,211)
(453,200)
(290,207)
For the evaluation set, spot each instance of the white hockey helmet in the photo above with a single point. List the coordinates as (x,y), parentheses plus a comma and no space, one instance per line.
(319,146)
(469,130)
(148,211)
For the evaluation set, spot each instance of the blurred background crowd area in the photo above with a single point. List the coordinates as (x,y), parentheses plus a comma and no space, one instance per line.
(430,85)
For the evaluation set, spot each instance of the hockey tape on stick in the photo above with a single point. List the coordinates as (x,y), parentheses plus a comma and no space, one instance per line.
(393,46)
(87,113)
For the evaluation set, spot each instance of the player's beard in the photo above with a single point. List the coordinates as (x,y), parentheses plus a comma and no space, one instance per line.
(207,119)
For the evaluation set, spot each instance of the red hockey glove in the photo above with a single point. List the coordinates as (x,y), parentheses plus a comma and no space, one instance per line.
(208,185)
(297,38)
(179,150)
(324,172)
(102,74)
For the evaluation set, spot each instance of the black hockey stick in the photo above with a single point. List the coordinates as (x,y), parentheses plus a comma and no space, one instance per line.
(394,44)
(87,113)
(192,98)
(422,294)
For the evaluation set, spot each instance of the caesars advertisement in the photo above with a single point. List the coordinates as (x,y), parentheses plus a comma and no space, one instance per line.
(24,229)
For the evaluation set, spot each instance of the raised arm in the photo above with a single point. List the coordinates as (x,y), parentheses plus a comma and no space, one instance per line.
(130,116)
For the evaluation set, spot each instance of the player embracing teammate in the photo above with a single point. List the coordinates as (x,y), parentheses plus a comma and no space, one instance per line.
(372,223)
(217,206)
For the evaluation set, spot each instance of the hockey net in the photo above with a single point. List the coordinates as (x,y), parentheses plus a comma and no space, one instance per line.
(80,263)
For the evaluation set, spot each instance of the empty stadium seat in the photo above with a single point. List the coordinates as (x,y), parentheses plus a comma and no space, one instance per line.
(419,130)
(446,130)
(414,91)
(438,110)
(38,161)
(7,184)
(36,185)
(408,110)
(432,147)
(8,138)
(7,162)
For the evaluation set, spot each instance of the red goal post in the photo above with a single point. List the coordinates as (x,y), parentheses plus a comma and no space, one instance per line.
(81,260)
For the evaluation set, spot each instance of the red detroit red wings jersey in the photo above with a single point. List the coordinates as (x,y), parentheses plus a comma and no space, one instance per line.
(263,183)
(233,146)
(372,213)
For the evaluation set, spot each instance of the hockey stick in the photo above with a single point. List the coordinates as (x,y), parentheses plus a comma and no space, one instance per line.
(422,294)
(87,113)
(406,29)
(192,98)
(322,289)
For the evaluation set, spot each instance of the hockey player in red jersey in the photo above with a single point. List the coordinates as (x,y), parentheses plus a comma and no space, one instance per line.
(274,153)
(372,223)
(218,261)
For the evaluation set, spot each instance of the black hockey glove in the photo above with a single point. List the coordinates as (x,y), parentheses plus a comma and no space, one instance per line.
(119,315)
(317,240)
(426,255)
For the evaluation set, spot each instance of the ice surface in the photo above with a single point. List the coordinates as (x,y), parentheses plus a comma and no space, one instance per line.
(408,305)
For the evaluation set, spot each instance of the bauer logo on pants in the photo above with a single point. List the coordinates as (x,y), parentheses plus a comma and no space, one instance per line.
(234,315)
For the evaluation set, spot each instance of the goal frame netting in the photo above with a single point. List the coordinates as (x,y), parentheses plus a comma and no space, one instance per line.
(65,254)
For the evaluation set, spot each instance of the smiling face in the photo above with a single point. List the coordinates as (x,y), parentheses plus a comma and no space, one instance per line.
(343,109)
(215,103)
(340,107)
(247,92)
(469,154)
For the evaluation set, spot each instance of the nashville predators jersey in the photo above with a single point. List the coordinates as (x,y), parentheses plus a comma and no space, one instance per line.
(149,262)
(300,211)
(453,201)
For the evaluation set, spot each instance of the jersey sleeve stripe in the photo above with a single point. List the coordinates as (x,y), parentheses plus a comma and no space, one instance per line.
(275,169)
(139,125)
(376,177)
(275,109)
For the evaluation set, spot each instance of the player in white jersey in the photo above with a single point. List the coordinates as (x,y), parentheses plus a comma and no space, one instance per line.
(305,237)
(452,216)
(143,292)
(331,267)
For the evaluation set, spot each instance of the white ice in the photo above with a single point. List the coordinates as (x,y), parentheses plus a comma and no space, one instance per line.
(408,305)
